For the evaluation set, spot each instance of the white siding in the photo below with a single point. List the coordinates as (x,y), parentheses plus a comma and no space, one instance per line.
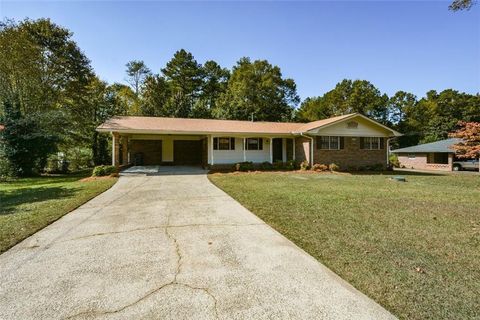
(235,156)
(365,128)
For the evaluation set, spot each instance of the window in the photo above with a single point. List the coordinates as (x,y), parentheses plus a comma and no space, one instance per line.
(371,143)
(224,143)
(438,158)
(411,156)
(254,144)
(329,143)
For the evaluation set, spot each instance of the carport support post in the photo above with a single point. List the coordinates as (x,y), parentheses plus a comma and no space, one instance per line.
(271,150)
(244,148)
(115,149)
(211,150)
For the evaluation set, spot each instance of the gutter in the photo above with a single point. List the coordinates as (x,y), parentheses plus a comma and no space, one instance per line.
(311,147)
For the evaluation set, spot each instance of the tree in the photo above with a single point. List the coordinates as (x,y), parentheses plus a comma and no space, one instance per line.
(41,67)
(457,5)
(257,89)
(155,94)
(25,144)
(184,74)
(215,79)
(137,71)
(314,108)
(347,97)
(469,146)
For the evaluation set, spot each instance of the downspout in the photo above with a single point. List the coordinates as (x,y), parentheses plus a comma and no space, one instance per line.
(311,147)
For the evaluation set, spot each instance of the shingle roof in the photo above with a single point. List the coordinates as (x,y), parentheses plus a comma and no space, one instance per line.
(442,146)
(187,125)
(196,125)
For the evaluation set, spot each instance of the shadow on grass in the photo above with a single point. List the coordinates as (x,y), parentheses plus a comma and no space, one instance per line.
(10,200)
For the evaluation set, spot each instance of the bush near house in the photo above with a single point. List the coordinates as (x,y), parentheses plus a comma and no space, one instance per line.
(319,167)
(101,171)
(304,165)
(333,167)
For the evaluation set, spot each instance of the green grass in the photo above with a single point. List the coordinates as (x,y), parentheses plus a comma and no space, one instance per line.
(29,204)
(414,247)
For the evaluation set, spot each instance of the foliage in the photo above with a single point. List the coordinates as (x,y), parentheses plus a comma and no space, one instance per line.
(244,166)
(100,171)
(393,160)
(257,89)
(266,166)
(319,167)
(304,165)
(137,71)
(291,165)
(457,5)
(347,97)
(469,146)
(333,167)
(25,145)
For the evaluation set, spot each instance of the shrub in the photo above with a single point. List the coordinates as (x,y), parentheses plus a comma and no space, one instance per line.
(319,167)
(304,165)
(266,166)
(100,171)
(278,165)
(333,167)
(393,160)
(377,167)
(244,166)
(6,170)
(291,165)
(56,164)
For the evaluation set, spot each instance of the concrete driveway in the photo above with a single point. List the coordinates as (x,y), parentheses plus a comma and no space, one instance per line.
(167,244)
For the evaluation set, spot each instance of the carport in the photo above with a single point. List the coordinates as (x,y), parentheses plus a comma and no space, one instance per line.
(150,150)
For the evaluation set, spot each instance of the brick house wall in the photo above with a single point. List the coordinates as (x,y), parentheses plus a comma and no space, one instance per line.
(351,156)
(302,149)
(420,162)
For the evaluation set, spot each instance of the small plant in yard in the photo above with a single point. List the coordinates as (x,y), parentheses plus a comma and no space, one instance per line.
(101,171)
(319,167)
(304,165)
(333,167)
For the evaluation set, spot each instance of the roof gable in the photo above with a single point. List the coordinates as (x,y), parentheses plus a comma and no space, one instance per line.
(353,124)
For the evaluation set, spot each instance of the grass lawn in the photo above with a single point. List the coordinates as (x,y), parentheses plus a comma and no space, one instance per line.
(29,204)
(414,247)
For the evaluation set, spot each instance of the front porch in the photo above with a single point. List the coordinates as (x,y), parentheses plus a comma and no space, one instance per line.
(199,150)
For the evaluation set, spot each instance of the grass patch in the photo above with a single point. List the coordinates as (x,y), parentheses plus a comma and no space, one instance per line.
(413,247)
(29,204)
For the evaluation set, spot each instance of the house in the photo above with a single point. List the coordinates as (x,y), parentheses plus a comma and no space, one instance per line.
(429,156)
(351,140)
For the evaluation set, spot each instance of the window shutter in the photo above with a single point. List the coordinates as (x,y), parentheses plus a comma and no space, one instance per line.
(319,143)
(260,143)
(362,143)
(215,143)
(382,143)
(232,143)
(342,142)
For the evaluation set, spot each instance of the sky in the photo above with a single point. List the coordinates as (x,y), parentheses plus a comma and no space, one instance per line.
(415,46)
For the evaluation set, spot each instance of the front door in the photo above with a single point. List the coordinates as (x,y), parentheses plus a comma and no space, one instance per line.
(277,149)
